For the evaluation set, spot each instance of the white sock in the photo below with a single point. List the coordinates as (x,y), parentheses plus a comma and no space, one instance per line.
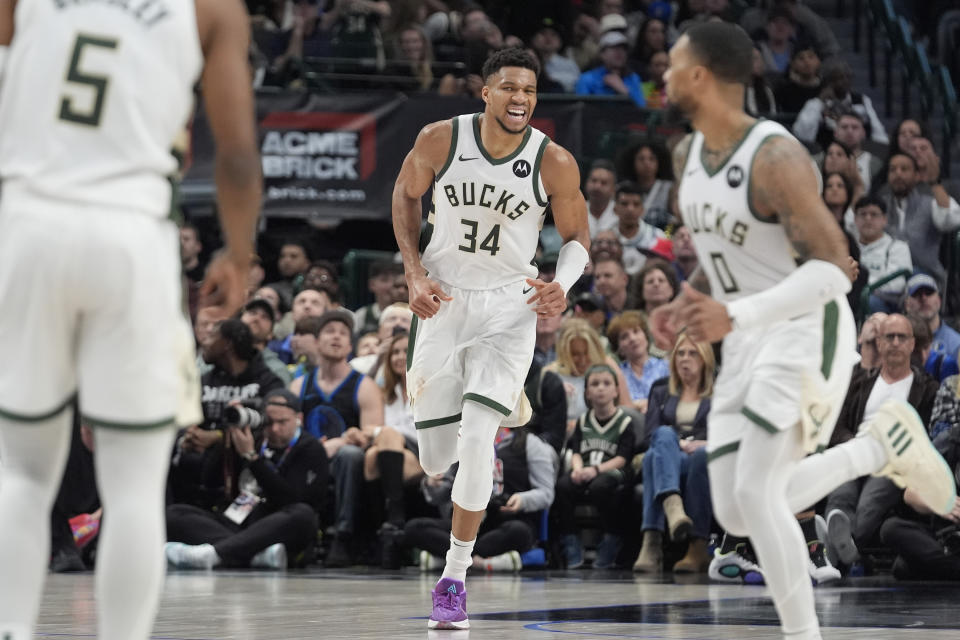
(33,456)
(817,475)
(459,558)
(131,475)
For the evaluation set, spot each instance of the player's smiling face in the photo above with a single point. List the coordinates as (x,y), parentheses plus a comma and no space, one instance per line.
(511,95)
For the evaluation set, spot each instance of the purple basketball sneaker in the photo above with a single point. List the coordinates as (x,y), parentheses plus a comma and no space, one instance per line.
(449,606)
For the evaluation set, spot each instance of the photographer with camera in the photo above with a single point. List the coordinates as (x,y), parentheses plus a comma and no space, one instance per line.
(197,473)
(281,487)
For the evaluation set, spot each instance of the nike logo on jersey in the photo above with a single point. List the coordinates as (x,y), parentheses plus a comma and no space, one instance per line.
(526,291)
(462,159)
(692,172)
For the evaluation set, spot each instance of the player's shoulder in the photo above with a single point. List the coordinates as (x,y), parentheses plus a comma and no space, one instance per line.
(436,136)
(558,165)
(220,18)
(778,150)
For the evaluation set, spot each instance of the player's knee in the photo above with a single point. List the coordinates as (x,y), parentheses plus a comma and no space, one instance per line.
(727,511)
(433,466)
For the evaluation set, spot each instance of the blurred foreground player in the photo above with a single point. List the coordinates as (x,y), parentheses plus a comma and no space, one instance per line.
(92,95)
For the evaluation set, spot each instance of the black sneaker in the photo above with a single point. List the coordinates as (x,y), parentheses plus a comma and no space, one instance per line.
(67,560)
(391,549)
(339,555)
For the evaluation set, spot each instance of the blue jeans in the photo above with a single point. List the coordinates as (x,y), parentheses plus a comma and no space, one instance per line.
(667,469)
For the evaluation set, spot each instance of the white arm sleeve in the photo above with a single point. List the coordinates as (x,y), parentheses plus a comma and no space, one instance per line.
(812,285)
(570,264)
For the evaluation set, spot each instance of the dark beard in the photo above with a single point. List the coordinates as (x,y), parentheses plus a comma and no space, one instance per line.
(510,131)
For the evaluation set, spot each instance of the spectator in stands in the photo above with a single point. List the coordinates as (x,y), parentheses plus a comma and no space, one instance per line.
(306,351)
(851,132)
(776,48)
(584,44)
(651,39)
(292,264)
(411,45)
(917,217)
(204,324)
(548,402)
(647,164)
(355,32)
(602,442)
(923,300)
(837,191)
(600,187)
(880,254)
(605,245)
(238,374)
(281,489)
(309,303)
(802,80)
(523,487)
(258,316)
(938,365)
(367,345)
(190,250)
(400,292)
(322,274)
(810,26)
(77,501)
(675,478)
(579,348)
(838,158)
(655,286)
(759,98)
(927,546)
(547,42)
(906,130)
(392,457)
(545,350)
(270,295)
(612,77)
(856,510)
(380,284)
(396,317)
(655,87)
(630,340)
(928,166)
(589,307)
(610,280)
(685,254)
(817,120)
(635,234)
(945,419)
(333,384)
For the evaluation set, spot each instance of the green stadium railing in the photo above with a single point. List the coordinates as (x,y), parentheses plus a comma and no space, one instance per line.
(354,273)
(864,307)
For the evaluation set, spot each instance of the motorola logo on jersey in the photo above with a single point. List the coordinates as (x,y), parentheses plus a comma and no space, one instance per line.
(521,168)
(735,176)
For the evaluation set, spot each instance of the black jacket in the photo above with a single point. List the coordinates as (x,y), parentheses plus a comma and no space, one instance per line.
(921,397)
(302,476)
(220,387)
(662,411)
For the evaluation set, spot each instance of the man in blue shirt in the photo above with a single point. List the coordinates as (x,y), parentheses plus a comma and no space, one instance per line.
(613,78)
(923,300)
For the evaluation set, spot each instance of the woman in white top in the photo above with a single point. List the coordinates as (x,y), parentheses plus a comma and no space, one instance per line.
(393,456)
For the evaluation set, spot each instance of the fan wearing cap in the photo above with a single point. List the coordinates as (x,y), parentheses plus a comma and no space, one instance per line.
(281,487)
(923,300)
(547,41)
(259,317)
(613,77)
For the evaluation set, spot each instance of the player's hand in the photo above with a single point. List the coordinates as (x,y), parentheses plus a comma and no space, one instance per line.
(425,296)
(224,288)
(665,322)
(551,301)
(706,319)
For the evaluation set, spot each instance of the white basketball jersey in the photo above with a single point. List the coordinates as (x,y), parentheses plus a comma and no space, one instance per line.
(487,212)
(740,252)
(93,94)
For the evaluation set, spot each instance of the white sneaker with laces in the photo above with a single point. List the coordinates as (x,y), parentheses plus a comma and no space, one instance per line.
(912,460)
(509,561)
(191,556)
(273,557)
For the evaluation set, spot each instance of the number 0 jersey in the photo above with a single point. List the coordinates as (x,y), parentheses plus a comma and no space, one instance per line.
(740,252)
(487,213)
(92,95)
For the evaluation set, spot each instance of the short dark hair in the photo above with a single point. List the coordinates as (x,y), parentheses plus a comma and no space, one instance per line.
(511,57)
(297,243)
(628,186)
(913,160)
(850,113)
(384,267)
(602,163)
(723,48)
(310,324)
(325,264)
(871,200)
(240,338)
(843,145)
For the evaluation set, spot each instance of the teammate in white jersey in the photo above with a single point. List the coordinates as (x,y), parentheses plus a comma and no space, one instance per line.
(777,264)
(92,95)
(475,292)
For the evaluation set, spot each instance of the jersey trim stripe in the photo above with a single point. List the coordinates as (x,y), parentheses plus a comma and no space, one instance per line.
(536,172)
(128,426)
(703,146)
(484,400)
(758,420)
(753,210)
(453,148)
(414,321)
(831,315)
(722,451)
(486,155)
(19,417)
(437,422)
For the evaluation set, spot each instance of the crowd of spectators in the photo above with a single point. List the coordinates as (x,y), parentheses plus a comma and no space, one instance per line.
(306,424)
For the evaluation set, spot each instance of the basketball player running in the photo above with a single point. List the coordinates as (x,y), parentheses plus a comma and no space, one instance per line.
(750,197)
(474,290)
(92,95)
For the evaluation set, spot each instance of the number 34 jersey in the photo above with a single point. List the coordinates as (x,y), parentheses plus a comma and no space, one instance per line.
(487,213)
(92,95)
(741,253)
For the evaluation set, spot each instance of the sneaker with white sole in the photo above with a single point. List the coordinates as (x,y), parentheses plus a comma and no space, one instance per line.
(912,460)
(191,556)
(736,567)
(273,557)
(509,561)
(840,538)
(449,606)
